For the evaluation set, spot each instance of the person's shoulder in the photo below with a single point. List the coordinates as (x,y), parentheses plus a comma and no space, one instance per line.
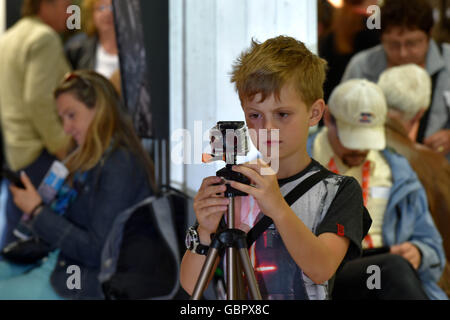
(38,31)
(344,183)
(446,55)
(368,55)
(120,157)
(402,171)
(80,41)
(76,41)
(366,62)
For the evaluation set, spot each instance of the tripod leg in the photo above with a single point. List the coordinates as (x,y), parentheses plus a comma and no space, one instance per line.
(205,274)
(249,274)
(231,274)
(241,290)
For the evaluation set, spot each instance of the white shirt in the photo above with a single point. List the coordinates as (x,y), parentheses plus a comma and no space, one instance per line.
(105,63)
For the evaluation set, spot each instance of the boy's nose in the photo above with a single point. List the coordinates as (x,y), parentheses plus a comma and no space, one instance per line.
(269,125)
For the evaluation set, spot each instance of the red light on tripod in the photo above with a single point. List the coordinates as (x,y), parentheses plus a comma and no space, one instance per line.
(266,268)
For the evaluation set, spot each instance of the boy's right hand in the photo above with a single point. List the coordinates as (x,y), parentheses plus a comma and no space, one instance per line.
(209,205)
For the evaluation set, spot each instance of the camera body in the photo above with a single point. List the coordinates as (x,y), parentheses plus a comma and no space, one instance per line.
(228,140)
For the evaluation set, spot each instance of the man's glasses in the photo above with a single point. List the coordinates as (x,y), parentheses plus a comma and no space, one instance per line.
(408,44)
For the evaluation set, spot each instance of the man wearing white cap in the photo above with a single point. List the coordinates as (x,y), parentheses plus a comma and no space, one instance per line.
(353,143)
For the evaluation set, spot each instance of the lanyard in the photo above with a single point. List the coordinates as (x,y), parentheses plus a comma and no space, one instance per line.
(367,242)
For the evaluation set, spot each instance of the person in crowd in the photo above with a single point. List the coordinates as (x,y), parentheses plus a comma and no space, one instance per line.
(441,30)
(407,98)
(96,48)
(348,35)
(109,172)
(32,65)
(406,38)
(403,239)
(280,85)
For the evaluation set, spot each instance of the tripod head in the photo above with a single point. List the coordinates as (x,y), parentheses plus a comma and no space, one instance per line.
(229,139)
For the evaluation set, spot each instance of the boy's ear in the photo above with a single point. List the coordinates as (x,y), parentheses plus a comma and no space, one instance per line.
(316,112)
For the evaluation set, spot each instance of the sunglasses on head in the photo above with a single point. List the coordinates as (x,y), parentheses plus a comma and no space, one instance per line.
(71,76)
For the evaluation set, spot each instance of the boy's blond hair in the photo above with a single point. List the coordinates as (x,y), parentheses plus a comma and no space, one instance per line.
(266,67)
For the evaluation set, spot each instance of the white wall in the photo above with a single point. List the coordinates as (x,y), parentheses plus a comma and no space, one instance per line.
(2,16)
(206,36)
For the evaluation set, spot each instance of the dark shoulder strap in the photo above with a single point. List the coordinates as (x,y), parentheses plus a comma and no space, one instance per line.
(290,198)
(424,121)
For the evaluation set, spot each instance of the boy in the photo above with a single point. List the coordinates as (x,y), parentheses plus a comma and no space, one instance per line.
(279,83)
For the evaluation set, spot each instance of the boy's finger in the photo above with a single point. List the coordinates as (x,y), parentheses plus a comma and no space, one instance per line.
(244,188)
(210,191)
(249,173)
(209,181)
(255,165)
(210,202)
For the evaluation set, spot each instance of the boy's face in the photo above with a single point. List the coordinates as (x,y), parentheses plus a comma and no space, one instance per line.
(289,115)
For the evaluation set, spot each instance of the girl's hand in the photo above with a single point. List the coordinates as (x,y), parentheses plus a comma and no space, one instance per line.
(25,199)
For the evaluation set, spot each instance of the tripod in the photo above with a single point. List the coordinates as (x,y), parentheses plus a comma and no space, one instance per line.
(235,243)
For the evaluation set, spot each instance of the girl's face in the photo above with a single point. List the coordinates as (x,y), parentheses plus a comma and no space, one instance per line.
(103,16)
(75,115)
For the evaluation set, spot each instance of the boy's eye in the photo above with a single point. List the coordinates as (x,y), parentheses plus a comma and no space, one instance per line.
(283,114)
(253,116)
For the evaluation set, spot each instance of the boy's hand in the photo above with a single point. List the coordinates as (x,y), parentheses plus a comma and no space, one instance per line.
(265,190)
(209,205)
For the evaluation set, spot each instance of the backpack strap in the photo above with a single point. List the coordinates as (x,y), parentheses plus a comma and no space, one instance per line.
(424,120)
(163,216)
(290,198)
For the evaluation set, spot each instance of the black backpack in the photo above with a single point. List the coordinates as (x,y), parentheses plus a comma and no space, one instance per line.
(142,254)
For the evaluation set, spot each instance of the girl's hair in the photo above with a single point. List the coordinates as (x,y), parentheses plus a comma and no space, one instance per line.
(110,125)
(88,8)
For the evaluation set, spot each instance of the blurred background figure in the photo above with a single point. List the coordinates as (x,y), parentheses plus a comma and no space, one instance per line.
(408,245)
(441,11)
(32,65)
(406,27)
(95,48)
(109,172)
(343,33)
(407,98)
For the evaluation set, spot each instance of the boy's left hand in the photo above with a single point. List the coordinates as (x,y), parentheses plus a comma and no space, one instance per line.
(265,190)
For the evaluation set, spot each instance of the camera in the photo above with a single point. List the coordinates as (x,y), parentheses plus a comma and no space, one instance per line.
(229,139)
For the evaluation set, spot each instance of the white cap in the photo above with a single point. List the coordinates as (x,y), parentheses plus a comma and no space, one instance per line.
(359,108)
(407,88)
